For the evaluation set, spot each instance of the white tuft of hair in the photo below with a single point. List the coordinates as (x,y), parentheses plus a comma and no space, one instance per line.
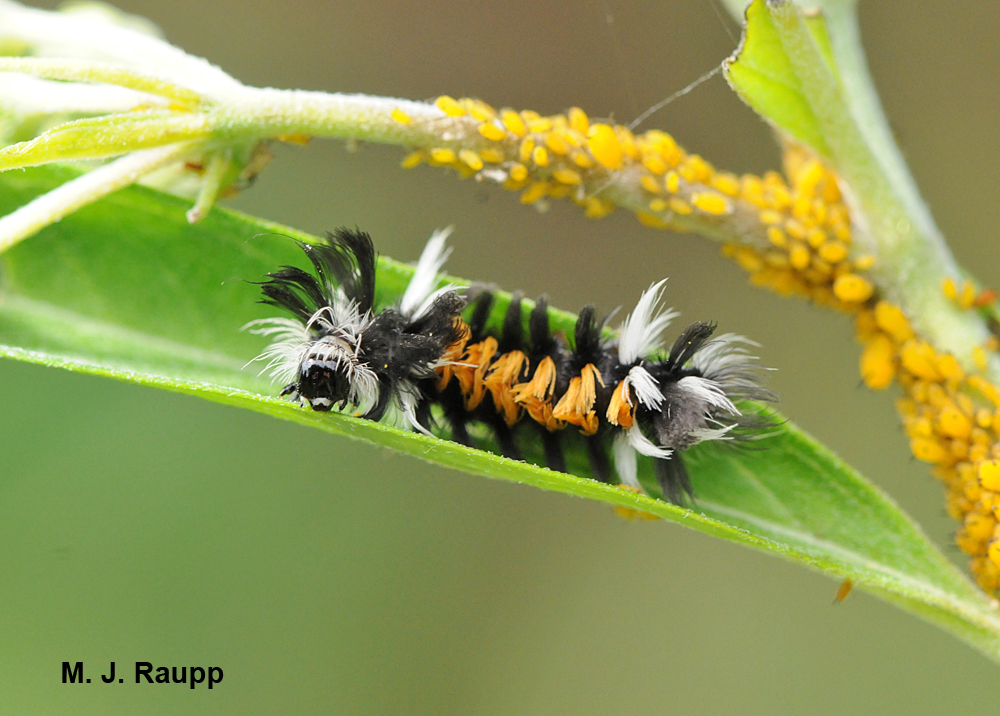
(625,462)
(286,352)
(419,297)
(640,331)
(645,387)
(707,391)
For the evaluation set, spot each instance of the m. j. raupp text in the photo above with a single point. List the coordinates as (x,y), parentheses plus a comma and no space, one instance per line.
(146,673)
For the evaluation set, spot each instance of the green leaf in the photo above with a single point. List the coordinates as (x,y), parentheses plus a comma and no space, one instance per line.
(101,137)
(762,73)
(104,72)
(125,288)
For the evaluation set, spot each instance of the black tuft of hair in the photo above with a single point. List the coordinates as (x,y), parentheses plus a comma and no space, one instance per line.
(689,342)
(512,334)
(347,261)
(538,327)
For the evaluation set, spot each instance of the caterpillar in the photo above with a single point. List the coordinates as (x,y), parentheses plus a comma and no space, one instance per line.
(395,364)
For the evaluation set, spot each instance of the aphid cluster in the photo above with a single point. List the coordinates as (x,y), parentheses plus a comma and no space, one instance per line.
(420,362)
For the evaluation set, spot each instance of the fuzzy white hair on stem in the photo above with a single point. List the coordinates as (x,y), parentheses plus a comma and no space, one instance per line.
(419,296)
(640,331)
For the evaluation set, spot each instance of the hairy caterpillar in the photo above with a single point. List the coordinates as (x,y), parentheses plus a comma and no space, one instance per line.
(395,364)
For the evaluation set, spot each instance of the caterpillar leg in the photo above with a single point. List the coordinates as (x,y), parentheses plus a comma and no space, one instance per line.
(505,440)
(459,433)
(673,479)
(600,465)
(554,457)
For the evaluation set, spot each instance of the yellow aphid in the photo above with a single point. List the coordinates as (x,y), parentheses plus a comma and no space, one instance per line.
(795,229)
(727,183)
(657,205)
(538,190)
(604,145)
(540,125)
(679,206)
(597,208)
(953,423)
(949,367)
(949,288)
(892,320)
(627,141)
(513,122)
(799,256)
(650,184)
(492,132)
(696,169)
(979,526)
(651,220)
(471,159)
(968,295)
(920,359)
(449,106)
(928,450)
(540,156)
(989,475)
(578,120)
(878,366)
(525,150)
(980,358)
(993,552)
(748,259)
(864,262)
(519,172)
(673,181)
(401,116)
(560,191)
(842,232)
(479,110)
(557,143)
(443,156)
(493,156)
(907,407)
(654,163)
(851,288)
(413,159)
(864,324)
(770,217)
(711,203)
(581,159)
(777,237)
(832,251)
(752,189)
(819,211)
(843,590)
(567,176)
(801,207)
(920,428)
(818,238)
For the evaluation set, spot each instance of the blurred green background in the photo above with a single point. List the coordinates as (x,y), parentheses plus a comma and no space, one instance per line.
(326,576)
